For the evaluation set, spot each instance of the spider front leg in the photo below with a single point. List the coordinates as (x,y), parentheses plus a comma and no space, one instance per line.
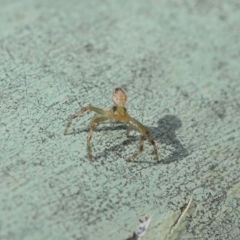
(133,123)
(96,119)
(83,110)
(153,143)
(140,149)
(128,130)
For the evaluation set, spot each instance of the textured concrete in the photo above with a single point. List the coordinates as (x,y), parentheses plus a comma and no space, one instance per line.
(179,64)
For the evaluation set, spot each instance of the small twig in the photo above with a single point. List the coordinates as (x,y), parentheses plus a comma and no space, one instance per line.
(183,210)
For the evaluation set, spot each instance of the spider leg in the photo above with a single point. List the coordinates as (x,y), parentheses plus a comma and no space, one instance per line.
(83,110)
(153,143)
(133,123)
(128,130)
(96,119)
(140,149)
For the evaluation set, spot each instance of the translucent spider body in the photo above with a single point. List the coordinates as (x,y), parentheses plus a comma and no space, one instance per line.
(117,113)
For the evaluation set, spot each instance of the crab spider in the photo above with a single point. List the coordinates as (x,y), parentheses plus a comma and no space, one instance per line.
(118,113)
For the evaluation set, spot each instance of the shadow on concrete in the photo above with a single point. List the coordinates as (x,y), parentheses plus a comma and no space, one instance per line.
(132,238)
(165,133)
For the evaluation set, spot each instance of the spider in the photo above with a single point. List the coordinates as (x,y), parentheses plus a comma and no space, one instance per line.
(118,113)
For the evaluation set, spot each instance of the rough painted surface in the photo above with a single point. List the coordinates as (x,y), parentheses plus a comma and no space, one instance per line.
(179,64)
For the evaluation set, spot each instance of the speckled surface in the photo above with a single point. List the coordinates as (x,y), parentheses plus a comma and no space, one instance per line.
(179,64)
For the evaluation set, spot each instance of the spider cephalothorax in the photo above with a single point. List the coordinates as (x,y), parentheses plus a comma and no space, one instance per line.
(117,113)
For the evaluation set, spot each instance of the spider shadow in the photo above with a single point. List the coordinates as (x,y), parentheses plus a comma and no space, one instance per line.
(164,133)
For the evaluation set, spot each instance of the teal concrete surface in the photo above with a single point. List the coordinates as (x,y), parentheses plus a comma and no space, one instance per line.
(178,61)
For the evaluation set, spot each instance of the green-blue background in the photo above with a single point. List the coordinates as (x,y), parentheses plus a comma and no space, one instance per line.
(179,64)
